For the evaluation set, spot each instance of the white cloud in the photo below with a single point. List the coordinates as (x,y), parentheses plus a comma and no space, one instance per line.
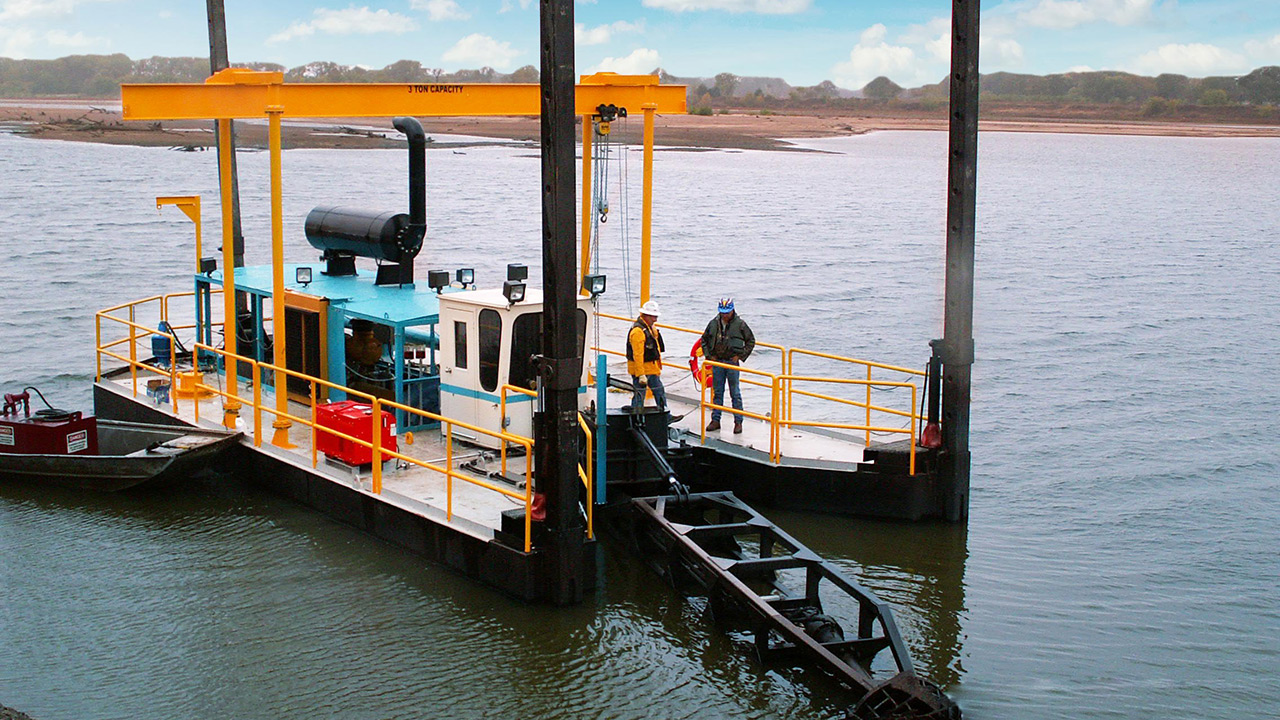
(440,9)
(508,6)
(1265,51)
(351,21)
(1066,14)
(642,61)
(873,57)
(934,35)
(481,50)
(26,9)
(602,34)
(60,39)
(1080,69)
(762,7)
(1198,59)
(1001,51)
(16,43)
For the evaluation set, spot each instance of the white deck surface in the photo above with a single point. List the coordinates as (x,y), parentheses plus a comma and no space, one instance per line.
(476,510)
(795,443)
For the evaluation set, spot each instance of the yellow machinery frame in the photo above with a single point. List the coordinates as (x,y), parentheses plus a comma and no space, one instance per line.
(237,94)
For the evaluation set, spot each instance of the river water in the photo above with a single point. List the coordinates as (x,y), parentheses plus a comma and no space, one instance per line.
(1120,560)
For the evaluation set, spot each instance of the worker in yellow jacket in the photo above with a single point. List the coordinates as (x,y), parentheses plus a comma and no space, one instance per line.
(644,358)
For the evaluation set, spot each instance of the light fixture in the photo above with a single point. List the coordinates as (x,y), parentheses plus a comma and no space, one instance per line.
(303,275)
(208,265)
(517,272)
(513,291)
(593,284)
(437,280)
(465,276)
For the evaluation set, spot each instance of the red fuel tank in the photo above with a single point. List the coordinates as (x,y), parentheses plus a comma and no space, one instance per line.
(356,420)
(65,434)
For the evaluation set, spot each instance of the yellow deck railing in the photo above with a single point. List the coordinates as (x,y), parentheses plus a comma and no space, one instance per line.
(586,475)
(233,399)
(782,391)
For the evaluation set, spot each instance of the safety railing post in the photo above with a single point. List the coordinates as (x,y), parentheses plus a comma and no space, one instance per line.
(502,423)
(173,374)
(786,371)
(377,446)
(256,376)
(315,461)
(702,406)
(197,384)
(869,405)
(528,503)
(133,351)
(97,331)
(448,472)
(775,438)
(912,469)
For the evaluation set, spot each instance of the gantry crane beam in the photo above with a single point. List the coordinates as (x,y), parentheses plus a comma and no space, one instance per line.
(238,94)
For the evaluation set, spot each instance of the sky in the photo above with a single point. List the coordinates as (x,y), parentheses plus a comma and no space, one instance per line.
(802,41)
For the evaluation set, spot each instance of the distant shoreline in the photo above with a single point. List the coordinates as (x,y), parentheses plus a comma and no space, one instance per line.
(99,121)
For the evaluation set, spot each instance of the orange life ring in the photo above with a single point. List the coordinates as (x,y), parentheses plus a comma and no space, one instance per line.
(701,373)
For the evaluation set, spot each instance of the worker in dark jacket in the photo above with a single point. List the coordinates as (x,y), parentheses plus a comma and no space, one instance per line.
(727,340)
(644,358)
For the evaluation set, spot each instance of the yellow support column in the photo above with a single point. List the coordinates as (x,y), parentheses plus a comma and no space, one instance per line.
(646,213)
(231,405)
(282,423)
(586,201)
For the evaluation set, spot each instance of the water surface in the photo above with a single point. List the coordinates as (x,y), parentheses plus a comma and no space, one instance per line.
(1119,561)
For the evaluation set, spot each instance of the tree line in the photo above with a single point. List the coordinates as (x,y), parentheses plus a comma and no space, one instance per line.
(101,76)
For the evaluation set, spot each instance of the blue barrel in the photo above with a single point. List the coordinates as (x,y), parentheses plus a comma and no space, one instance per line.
(162,344)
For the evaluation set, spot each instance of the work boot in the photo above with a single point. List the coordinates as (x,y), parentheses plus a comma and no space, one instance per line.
(713,426)
(737,427)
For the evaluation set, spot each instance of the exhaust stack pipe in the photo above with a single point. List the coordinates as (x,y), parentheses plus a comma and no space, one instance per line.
(345,233)
(417,173)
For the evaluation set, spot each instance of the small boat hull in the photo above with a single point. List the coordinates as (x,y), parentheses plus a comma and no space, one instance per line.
(130,455)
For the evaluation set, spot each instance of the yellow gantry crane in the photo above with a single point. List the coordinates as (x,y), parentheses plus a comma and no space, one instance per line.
(239,94)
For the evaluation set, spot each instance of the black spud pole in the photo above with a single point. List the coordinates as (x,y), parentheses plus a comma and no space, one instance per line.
(962,190)
(556,433)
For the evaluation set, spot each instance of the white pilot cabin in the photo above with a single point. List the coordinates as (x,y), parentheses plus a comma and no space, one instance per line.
(486,344)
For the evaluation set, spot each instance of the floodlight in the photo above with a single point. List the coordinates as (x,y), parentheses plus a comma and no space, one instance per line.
(466,276)
(513,291)
(303,275)
(208,265)
(593,284)
(437,279)
(517,272)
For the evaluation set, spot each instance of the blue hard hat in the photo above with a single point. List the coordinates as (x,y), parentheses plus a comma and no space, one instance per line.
(726,305)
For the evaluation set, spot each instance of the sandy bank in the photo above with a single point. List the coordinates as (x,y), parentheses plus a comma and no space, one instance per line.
(100,121)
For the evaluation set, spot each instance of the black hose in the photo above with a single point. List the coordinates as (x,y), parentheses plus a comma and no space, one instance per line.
(37,392)
(51,412)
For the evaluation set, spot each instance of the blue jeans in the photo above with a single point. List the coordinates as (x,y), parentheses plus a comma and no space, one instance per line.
(655,384)
(718,376)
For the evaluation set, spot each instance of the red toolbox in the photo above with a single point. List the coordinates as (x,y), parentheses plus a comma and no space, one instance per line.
(356,420)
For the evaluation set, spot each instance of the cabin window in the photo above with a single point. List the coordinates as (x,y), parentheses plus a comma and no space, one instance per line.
(460,344)
(526,341)
(490,348)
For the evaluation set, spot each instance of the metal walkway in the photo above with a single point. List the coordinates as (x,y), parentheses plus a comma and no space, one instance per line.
(761,580)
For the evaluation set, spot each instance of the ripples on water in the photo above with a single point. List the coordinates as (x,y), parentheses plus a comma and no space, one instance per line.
(1120,557)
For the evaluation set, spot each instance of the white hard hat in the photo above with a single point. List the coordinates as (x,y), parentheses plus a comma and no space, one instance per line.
(649,308)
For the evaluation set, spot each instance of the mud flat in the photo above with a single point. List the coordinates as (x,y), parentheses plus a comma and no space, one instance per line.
(100,121)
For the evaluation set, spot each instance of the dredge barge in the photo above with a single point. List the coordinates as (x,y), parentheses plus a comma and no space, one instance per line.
(465,424)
